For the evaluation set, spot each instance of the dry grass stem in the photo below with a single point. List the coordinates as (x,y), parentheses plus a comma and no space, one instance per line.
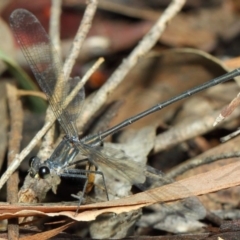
(188,130)
(80,37)
(54,30)
(22,93)
(15,137)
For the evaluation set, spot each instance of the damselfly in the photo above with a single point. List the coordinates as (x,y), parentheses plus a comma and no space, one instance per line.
(46,66)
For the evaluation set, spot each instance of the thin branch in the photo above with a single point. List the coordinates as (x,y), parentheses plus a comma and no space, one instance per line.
(227,111)
(230,136)
(19,158)
(140,50)
(80,37)
(4,122)
(187,130)
(15,136)
(48,139)
(22,93)
(54,30)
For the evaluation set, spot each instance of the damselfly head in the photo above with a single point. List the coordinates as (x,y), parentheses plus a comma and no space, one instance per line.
(37,169)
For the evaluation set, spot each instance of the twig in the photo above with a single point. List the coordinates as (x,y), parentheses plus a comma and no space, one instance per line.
(15,136)
(185,131)
(230,136)
(80,37)
(48,139)
(141,49)
(19,158)
(4,122)
(228,110)
(22,92)
(54,30)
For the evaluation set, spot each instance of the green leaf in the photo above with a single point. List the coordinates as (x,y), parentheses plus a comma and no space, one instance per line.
(25,82)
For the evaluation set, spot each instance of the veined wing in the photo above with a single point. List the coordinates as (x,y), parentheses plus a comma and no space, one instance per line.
(115,162)
(47,68)
(41,56)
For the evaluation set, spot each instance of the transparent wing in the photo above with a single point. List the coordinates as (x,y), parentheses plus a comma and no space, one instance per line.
(114,162)
(37,48)
(117,164)
(144,177)
(47,68)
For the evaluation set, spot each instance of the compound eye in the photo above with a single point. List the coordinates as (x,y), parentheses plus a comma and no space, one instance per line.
(43,172)
(31,160)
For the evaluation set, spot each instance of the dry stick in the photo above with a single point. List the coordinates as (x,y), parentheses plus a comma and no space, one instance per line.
(141,49)
(19,158)
(15,136)
(54,31)
(4,121)
(185,131)
(48,139)
(31,93)
(80,37)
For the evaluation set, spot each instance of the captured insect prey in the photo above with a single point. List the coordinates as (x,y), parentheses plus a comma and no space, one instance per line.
(47,69)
